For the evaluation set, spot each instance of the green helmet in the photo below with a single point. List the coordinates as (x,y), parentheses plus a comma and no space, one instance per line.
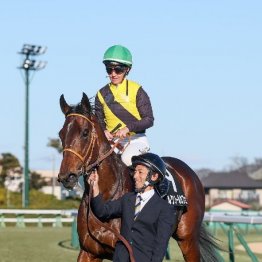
(118,53)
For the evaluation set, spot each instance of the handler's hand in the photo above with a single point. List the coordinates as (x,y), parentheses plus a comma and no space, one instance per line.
(93,179)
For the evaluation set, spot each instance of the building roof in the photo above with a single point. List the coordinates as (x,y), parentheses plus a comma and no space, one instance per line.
(232,179)
(47,173)
(234,203)
(257,174)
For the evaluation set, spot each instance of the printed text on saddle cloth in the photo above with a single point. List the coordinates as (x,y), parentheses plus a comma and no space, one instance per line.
(175,195)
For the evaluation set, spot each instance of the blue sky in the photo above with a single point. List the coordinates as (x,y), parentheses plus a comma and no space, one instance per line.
(200,61)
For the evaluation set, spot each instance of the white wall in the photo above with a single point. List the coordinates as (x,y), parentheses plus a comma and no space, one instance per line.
(49,190)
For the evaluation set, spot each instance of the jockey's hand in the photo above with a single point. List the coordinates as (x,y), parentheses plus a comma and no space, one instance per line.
(122,133)
(93,179)
(108,135)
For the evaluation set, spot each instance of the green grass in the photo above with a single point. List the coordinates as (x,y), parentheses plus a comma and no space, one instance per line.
(32,244)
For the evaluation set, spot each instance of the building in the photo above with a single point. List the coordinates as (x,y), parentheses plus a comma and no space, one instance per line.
(237,185)
(14,180)
(57,189)
(230,205)
(52,187)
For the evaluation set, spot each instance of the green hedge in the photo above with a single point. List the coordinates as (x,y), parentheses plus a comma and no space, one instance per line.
(37,200)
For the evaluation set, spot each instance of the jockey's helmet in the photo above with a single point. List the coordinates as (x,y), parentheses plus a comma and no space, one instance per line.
(118,54)
(152,161)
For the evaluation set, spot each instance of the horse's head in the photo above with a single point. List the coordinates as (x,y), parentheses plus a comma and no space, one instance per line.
(79,137)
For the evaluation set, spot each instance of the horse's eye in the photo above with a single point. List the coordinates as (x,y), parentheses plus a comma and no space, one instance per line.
(85,133)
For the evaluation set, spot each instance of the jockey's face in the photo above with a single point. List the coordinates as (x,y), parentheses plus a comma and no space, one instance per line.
(116,73)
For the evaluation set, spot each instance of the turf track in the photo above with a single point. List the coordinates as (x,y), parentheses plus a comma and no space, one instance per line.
(32,244)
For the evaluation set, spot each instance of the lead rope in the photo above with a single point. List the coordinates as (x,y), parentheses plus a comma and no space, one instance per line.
(119,236)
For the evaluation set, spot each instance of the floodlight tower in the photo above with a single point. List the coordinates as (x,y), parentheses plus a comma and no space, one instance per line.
(29,65)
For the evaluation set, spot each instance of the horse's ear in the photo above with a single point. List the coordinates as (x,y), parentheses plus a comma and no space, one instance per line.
(85,103)
(63,105)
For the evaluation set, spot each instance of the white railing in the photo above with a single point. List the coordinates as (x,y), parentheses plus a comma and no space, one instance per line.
(233,217)
(58,217)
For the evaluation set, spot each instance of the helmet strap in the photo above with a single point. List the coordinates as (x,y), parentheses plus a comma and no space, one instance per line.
(148,182)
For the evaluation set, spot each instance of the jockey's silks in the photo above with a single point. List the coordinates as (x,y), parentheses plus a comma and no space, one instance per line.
(119,103)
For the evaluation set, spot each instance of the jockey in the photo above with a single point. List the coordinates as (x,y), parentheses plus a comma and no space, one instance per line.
(122,107)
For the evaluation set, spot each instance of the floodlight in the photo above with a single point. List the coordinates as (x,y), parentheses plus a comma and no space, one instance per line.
(27,66)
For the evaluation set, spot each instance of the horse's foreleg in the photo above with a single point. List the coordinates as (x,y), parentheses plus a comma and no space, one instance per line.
(190,249)
(87,257)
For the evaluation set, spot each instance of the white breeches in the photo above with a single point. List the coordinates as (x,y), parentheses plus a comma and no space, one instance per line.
(133,146)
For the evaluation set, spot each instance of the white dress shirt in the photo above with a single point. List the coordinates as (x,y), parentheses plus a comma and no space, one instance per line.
(145,197)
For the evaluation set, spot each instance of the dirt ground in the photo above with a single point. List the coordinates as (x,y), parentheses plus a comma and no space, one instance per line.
(255,247)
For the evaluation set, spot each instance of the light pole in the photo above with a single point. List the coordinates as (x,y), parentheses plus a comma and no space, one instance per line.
(27,66)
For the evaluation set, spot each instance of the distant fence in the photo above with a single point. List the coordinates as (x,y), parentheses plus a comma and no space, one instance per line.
(21,217)
(232,223)
(229,222)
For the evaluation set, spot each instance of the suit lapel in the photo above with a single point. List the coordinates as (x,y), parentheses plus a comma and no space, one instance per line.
(150,205)
(151,202)
(131,206)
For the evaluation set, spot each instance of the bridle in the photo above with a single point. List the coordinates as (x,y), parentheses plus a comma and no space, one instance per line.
(87,156)
(86,167)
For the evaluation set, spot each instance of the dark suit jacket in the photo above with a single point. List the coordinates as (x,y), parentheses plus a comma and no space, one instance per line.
(148,234)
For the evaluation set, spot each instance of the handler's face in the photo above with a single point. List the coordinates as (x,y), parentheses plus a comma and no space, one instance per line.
(140,175)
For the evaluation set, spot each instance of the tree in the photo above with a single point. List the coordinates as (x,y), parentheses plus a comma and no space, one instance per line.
(36,181)
(7,162)
(56,144)
(238,162)
(258,162)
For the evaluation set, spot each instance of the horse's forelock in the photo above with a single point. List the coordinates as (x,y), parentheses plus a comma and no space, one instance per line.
(79,109)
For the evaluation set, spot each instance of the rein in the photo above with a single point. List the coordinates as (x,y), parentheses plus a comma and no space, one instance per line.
(118,235)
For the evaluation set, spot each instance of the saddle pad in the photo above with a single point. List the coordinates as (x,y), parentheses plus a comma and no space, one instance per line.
(171,190)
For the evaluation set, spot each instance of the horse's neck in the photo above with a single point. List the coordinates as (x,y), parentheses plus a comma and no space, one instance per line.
(114,177)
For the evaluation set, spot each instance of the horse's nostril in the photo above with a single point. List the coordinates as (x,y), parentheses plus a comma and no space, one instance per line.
(71,176)
(68,180)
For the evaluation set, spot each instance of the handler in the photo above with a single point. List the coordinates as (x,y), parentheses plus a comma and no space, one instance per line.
(147,220)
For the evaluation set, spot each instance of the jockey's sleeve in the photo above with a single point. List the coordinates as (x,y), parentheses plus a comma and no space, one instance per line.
(145,110)
(99,112)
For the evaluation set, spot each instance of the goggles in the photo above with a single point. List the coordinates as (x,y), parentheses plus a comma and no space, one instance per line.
(119,69)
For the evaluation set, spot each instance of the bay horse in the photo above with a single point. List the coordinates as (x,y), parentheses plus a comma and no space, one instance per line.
(85,147)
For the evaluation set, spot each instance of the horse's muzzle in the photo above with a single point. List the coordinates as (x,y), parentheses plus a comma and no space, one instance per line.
(68,181)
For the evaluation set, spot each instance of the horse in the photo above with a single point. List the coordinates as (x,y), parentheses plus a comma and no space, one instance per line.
(85,147)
